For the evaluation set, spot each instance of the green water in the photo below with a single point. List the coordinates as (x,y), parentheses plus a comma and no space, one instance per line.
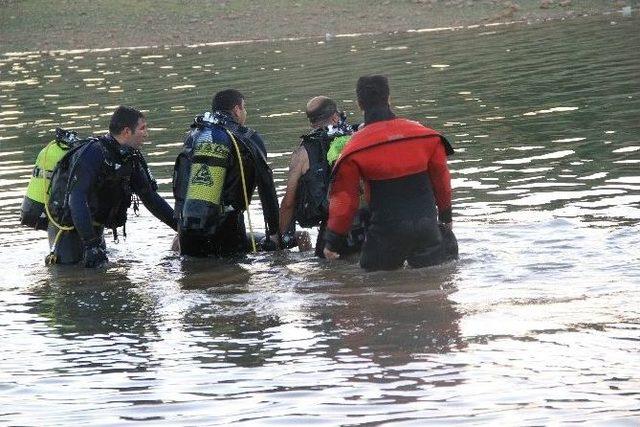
(536,324)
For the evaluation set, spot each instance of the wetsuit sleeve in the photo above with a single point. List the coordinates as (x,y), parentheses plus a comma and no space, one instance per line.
(440,181)
(86,170)
(344,199)
(266,189)
(259,144)
(146,188)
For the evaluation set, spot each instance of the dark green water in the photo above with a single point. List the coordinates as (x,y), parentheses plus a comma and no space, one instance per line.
(536,324)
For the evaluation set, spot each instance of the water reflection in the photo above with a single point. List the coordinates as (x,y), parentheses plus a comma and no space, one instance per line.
(87,303)
(391,325)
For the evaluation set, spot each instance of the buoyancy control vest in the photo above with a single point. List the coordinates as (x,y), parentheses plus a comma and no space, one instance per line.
(200,172)
(323,147)
(112,194)
(32,211)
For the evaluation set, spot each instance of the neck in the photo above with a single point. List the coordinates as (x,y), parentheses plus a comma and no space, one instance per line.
(228,115)
(117,140)
(320,125)
(378,114)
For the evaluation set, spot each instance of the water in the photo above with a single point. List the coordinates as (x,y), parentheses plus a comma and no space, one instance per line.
(537,323)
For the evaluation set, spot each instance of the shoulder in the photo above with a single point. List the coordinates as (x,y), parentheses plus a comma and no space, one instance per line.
(93,150)
(415,125)
(257,139)
(300,159)
(299,154)
(140,159)
(207,134)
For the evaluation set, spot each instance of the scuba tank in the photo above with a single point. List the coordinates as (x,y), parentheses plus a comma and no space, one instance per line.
(32,212)
(206,166)
(323,147)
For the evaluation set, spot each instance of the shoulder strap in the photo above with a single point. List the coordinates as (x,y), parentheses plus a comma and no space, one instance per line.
(317,145)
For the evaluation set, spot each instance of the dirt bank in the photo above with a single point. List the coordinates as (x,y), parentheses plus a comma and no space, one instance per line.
(74,24)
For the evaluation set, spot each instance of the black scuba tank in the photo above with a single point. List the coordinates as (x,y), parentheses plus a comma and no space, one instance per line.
(312,204)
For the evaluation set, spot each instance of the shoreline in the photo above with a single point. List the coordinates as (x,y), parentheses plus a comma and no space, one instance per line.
(326,37)
(59,34)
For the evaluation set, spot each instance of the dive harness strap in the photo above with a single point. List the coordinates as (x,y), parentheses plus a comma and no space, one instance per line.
(244,189)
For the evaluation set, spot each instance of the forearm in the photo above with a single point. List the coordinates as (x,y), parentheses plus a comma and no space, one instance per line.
(81,216)
(159,208)
(344,198)
(84,177)
(286,217)
(268,199)
(440,178)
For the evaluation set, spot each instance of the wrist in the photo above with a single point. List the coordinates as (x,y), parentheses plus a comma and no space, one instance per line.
(333,241)
(445,216)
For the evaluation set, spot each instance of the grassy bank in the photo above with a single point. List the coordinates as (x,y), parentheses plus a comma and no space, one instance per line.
(74,24)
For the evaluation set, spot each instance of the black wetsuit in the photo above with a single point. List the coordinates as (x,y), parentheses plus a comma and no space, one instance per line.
(228,236)
(105,175)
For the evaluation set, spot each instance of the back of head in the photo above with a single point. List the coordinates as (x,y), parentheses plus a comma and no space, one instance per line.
(320,110)
(226,99)
(124,117)
(373,91)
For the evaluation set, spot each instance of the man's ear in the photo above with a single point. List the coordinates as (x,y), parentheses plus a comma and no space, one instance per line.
(360,106)
(235,111)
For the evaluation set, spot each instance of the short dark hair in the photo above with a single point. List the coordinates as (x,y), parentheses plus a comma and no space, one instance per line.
(322,110)
(226,99)
(124,117)
(372,91)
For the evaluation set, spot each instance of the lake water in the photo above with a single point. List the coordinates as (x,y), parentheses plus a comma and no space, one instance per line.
(537,323)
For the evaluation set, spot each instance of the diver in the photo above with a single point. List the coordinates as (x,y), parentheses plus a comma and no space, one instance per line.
(306,197)
(404,167)
(214,178)
(92,187)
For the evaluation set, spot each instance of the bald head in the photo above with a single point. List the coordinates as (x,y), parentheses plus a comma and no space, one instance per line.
(321,111)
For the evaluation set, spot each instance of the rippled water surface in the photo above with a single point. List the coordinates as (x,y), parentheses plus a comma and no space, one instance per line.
(537,323)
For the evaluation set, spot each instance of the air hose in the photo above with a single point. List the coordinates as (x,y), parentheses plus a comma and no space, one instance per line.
(52,258)
(244,190)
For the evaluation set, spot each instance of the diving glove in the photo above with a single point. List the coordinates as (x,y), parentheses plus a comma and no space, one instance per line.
(289,240)
(94,255)
(268,244)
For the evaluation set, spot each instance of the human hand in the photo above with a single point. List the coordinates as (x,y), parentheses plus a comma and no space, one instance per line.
(330,255)
(275,238)
(304,241)
(270,243)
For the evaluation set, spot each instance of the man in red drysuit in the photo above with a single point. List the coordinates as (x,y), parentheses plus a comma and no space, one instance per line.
(407,183)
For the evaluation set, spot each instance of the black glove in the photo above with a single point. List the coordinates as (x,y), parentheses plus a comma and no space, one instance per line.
(94,255)
(266,244)
(334,242)
(289,240)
